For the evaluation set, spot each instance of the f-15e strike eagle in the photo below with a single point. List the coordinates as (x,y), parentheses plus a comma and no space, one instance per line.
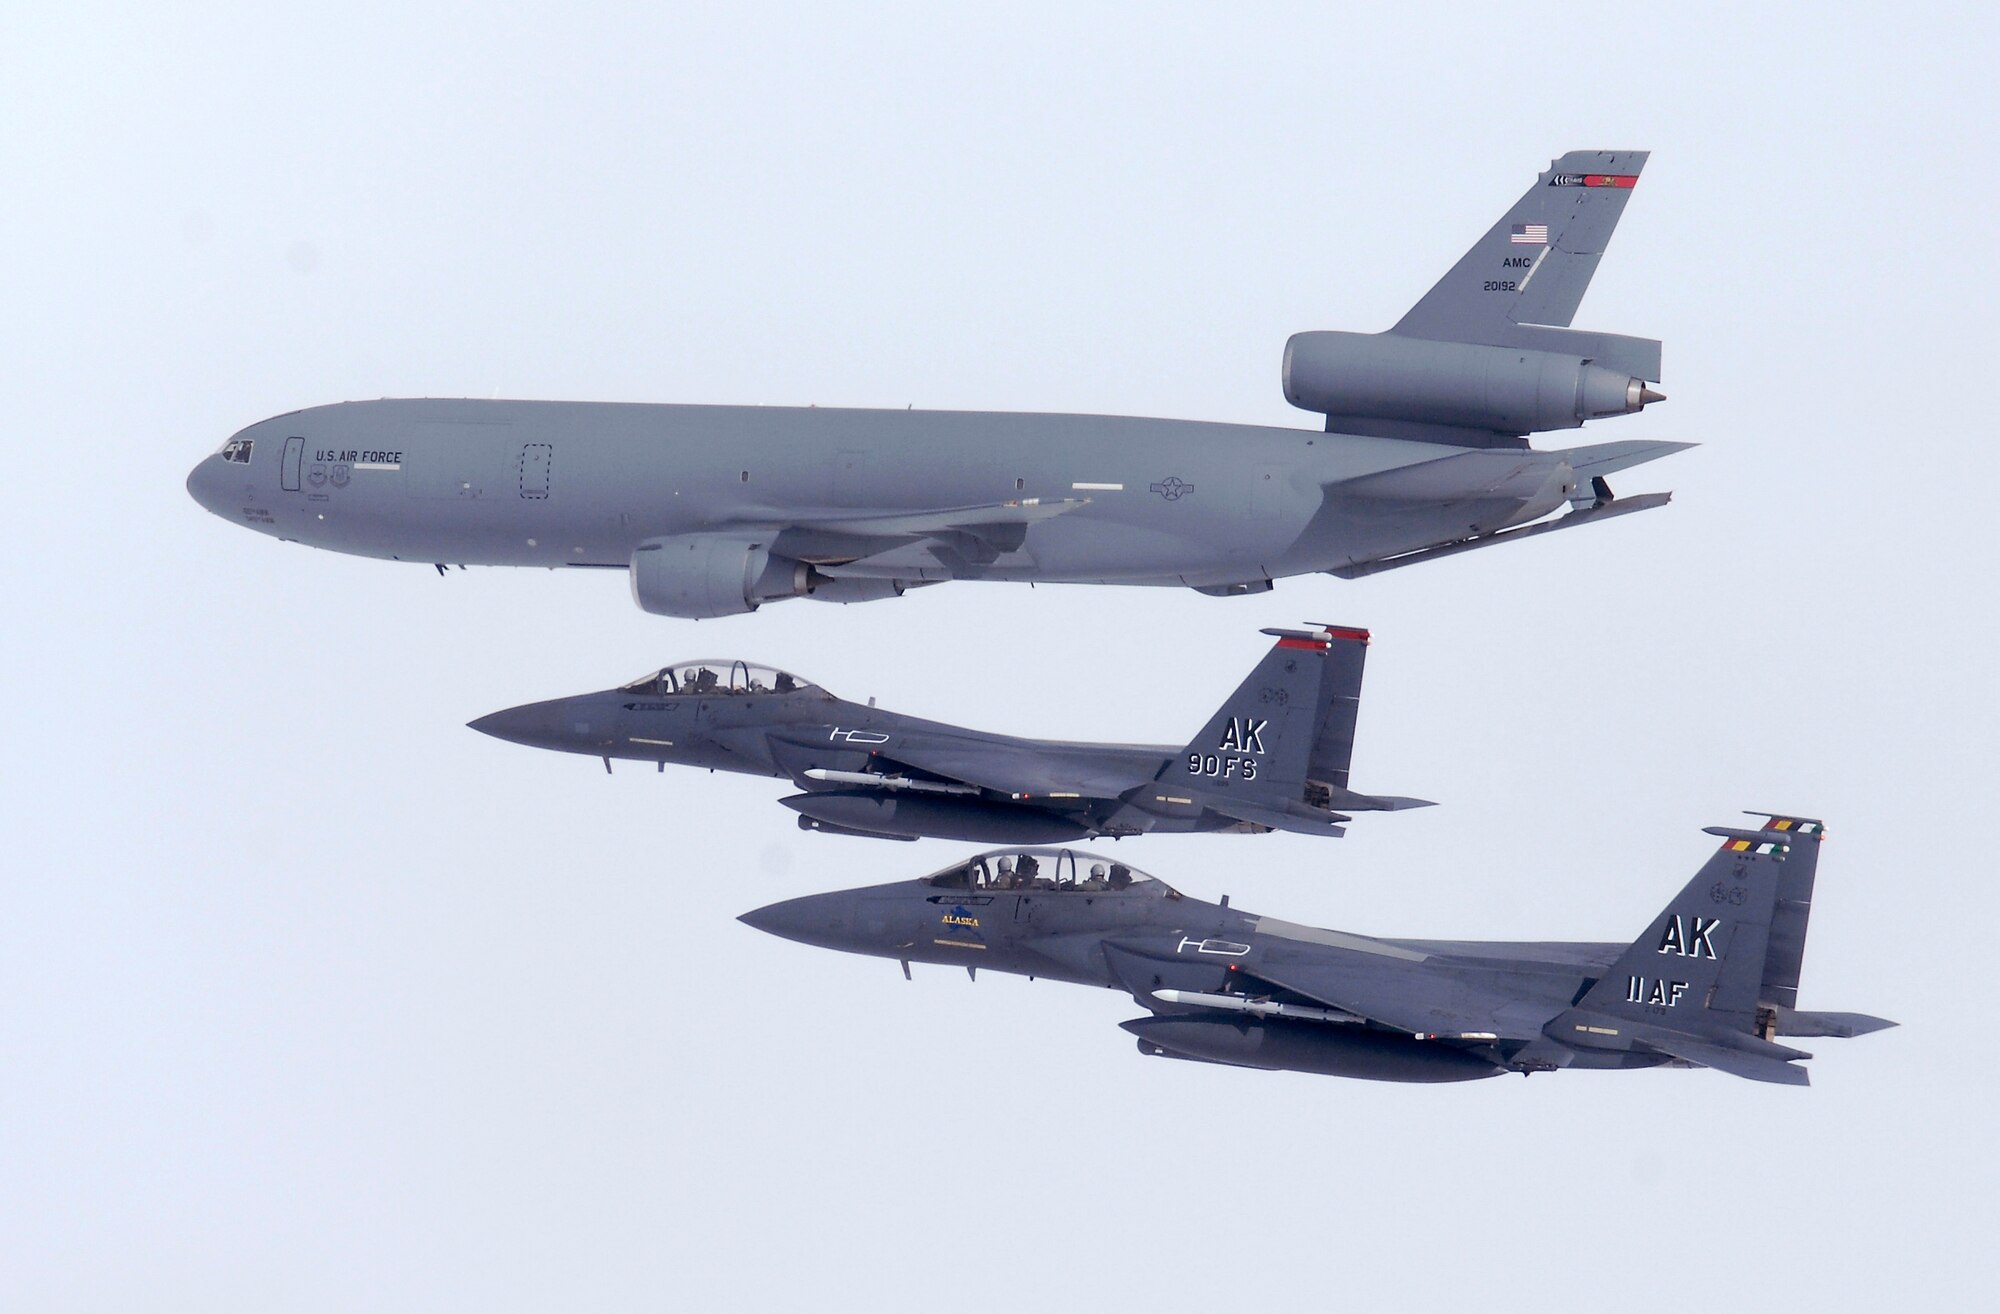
(715,510)
(1274,757)
(1709,983)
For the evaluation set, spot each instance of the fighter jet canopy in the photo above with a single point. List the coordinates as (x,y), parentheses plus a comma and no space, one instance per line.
(719,677)
(1058,871)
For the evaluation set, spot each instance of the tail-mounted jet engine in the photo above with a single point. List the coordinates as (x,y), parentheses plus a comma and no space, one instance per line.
(1392,386)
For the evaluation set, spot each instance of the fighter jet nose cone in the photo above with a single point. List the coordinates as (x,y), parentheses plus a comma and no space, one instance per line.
(817,919)
(539,725)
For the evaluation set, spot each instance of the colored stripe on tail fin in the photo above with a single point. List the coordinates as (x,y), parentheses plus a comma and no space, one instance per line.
(1787,951)
(1534,265)
(1700,965)
(1276,753)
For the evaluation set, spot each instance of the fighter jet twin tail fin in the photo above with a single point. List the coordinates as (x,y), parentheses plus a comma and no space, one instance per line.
(1276,754)
(1716,975)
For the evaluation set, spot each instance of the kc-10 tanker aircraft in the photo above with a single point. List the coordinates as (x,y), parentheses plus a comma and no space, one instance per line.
(1708,984)
(715,510)
(1274,757)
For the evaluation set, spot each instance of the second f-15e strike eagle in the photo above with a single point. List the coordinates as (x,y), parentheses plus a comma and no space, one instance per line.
(715,510)
(1709,983)
(1275,756)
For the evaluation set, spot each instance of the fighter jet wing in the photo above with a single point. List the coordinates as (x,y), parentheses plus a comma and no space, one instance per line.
(1027,771)
(1388,992)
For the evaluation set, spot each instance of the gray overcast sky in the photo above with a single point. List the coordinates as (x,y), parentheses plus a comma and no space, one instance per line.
(311,999)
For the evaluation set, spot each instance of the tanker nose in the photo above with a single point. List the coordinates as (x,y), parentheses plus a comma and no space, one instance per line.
(539,725)
(825,921)
(206,484)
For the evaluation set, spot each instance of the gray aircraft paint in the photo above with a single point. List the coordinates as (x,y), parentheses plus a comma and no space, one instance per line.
(716,509)
(869,771)
(1706,985)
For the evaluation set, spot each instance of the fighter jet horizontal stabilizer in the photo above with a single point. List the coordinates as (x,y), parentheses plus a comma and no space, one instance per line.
(1744,1056)
(1839,1026)
(1347,800)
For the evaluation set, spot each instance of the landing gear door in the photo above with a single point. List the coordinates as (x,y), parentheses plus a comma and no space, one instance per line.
(295,451)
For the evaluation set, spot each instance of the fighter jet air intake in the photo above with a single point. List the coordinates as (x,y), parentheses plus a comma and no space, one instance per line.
(1274,757)
(1709,983)
(715,510)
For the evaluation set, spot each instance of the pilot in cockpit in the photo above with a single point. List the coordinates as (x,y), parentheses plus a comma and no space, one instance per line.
(1099,877)
(1004,880)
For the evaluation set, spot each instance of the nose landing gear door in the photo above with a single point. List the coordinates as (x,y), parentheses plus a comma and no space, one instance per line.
(295,451)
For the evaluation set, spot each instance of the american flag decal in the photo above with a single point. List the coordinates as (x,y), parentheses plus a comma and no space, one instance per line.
(1529,235)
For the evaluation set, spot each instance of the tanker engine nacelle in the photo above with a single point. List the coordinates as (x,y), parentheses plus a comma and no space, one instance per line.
(699,576)
(1393,387)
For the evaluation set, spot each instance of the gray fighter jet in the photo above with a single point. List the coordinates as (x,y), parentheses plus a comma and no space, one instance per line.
(714,510)
(1274,757)
(1709,983)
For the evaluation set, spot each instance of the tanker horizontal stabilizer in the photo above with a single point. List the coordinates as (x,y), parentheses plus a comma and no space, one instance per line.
(1600,459)
(1502,474)
(1616,507)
